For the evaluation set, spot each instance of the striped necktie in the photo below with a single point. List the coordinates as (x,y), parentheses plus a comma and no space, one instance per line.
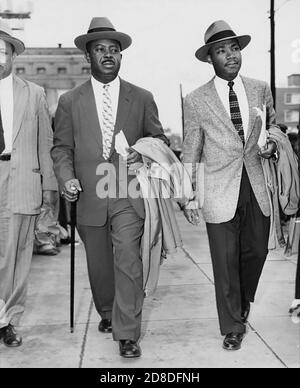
(235,112)
(2,142)
(108,122)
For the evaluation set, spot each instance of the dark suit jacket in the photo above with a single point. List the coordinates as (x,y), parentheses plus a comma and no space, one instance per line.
(77,150)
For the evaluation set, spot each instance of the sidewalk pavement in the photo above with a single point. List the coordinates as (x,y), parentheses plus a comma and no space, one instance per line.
(180,327)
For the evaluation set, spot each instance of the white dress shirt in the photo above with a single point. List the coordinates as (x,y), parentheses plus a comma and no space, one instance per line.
(7,111)
(223,92)
(114,90)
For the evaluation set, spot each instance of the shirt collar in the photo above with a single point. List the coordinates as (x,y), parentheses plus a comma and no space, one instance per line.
(113,84)
(224,83)
(7,81)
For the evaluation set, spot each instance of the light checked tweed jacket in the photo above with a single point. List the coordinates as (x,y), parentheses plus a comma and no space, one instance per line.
(211,138)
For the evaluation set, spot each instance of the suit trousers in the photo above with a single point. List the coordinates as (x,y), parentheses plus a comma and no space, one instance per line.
(297,283)
(16,246)
(239,249)
(115,268)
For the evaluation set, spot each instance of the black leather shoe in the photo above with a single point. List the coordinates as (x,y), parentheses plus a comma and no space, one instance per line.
(129,349)
(233,341)
(105,326)
(245,312)
(10,337)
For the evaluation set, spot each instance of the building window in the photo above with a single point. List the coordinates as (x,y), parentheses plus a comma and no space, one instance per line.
(292,98)
(20,70)
(85,70)
(291,116)
(41,70)
(62,70)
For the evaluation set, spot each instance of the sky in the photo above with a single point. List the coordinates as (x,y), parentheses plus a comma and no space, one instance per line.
(166,34)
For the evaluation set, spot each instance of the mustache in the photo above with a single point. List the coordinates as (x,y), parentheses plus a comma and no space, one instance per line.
(108,60)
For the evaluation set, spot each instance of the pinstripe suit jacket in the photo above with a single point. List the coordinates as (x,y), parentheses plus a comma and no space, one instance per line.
(211,138)
(31,164)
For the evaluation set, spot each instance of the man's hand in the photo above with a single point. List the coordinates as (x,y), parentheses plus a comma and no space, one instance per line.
(133,157)
(192,215)
(268,150)
(71,190)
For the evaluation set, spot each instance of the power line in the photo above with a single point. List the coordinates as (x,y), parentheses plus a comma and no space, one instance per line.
(282,5)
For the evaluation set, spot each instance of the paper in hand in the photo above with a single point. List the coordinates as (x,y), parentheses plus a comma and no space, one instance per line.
(263,132)
(121,144)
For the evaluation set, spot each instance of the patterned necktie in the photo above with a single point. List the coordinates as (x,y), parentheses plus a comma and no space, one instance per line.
(2,142)
(235,112)
(108,122)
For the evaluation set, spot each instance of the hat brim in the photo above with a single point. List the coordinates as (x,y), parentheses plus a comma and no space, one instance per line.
(202,52)
(82,40)
(18,45)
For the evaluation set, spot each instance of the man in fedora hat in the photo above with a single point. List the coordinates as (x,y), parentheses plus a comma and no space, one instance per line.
(222,130)
(26,177)
(87,121)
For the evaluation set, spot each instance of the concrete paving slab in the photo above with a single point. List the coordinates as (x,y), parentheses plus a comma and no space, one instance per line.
(53,308)
(282,336)
(177,302)
(272,300)
(45,346)
(180,270)
(181,302)
(179,344)
(281,271)
(274,271)
(48,298)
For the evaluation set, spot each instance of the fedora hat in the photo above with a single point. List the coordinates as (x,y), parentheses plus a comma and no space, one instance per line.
(102,28)
(217,32)
(6,35)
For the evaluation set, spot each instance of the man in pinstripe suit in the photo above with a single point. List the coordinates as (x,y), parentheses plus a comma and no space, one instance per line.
(26,177)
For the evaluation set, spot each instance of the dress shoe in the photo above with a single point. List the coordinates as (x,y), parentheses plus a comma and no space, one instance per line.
(10,337)
(129,349)
(233,341)
(105,326)
(245,312)
(294,306)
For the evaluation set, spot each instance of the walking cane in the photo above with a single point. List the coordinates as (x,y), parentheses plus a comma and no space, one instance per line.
(72,266)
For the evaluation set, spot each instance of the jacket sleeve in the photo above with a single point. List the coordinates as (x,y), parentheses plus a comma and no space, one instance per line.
(45,143)
(152,125)
(193,140)
(63,146)
(271,115)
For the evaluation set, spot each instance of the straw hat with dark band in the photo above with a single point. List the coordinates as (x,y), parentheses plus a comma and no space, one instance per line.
(218,32)
(102,28)
(6,35)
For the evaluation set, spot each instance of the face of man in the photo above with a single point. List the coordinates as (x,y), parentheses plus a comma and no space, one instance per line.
(6,59)
(105,58)
(226,59)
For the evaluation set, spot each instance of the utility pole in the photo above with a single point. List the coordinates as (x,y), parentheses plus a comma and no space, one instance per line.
(272,50)
(182,112)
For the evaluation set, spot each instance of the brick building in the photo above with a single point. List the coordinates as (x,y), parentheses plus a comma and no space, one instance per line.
(288,103)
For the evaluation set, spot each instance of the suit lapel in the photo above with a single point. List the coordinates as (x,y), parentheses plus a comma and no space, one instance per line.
(252,96)
(215,104)
(20,99)
(88,104)
(124,104)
